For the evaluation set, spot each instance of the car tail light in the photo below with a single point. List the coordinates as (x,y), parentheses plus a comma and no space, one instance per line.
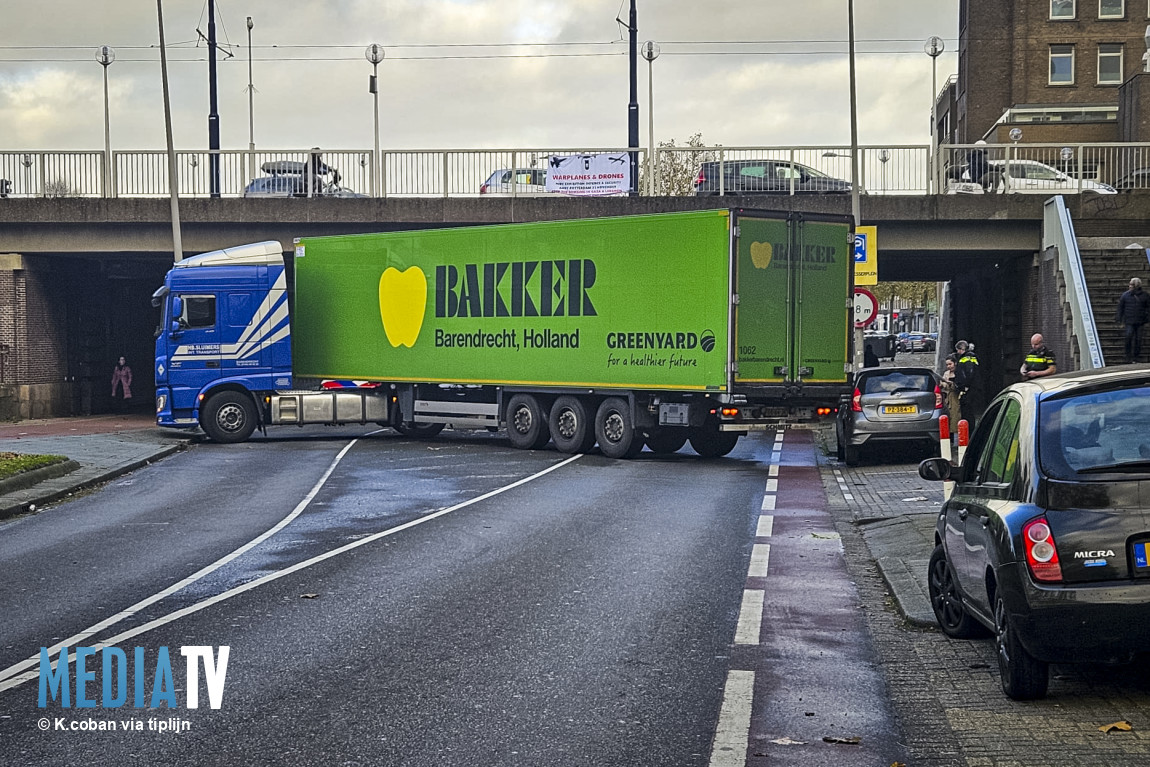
(1041,552)
(937,398)
(856,401)
(483,189)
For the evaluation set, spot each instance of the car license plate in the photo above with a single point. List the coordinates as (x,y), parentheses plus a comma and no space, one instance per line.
(899,409)
(1142,557)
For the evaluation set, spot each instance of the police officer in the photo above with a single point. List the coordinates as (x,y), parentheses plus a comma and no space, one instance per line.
(1040,361)
(965,379)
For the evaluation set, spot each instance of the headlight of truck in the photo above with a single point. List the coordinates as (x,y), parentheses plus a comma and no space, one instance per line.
(161,400)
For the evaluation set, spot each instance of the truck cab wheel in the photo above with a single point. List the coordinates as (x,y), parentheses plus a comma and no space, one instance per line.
(615,431)
(570,423)
(229,417)
(666,441)
(527,423)
(419,430)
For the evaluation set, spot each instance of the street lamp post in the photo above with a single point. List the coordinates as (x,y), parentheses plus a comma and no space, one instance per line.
(855,212)
(934,48)
(106,55)
(650,53)
(884,158)
(251,109)
(374,53)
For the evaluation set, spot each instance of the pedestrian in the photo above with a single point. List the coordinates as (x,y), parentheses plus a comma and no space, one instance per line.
(950,395)
(1133,312)
(1040,361)
(122,380)
(870,359)
(966,380)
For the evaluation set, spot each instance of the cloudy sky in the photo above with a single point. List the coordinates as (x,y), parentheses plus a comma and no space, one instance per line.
(470,73)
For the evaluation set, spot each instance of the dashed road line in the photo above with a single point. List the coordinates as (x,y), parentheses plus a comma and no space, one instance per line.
(750,617)
(760,558)
(768,503)
(766,526)
(731,737)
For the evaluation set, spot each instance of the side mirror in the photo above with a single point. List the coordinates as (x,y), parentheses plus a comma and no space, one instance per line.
(177,307)
(936,469)
(175,328)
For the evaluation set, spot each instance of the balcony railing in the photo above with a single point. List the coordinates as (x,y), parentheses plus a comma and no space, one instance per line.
(883,170)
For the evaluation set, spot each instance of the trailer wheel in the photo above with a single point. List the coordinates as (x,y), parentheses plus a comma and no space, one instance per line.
(709,442)
(229,417)
(666,441)
(419,430)
(615,430)
(571,425)
(527,423)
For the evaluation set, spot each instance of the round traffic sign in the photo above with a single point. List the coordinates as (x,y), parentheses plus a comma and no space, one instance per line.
(866,307)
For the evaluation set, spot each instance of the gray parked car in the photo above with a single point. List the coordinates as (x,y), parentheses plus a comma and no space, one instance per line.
(889,405)
(289,178)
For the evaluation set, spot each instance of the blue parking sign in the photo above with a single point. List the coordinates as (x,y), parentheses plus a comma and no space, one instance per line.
(860,247)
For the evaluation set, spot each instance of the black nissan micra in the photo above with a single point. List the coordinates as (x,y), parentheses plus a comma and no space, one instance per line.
(1045,540)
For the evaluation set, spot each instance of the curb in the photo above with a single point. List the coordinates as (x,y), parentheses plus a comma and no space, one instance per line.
(27,479)
(14,509)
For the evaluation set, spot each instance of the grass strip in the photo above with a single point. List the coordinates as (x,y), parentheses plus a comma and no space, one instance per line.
(12,464)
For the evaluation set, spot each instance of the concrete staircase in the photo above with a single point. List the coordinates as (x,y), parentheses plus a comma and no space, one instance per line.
(1108,271)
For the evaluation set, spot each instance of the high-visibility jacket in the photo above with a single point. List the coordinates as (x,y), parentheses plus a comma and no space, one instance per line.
(1039,359)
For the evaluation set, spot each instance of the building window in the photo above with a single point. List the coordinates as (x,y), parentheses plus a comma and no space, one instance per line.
(1109,64)
(1062,9)
(1062,65)
(1111,9)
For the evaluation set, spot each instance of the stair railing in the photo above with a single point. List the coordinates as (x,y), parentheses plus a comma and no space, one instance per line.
(1058,233)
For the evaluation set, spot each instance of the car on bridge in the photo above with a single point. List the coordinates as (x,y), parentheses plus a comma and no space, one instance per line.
(1044,541)
(1021,177)
(524,182)
(289,178)
(765,177)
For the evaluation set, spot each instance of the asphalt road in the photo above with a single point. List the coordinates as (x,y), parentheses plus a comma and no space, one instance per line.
(448,602)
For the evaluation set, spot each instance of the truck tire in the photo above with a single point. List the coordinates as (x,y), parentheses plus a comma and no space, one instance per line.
(419,430)
(709,442)
(229,417)
(570,423)
(666,441)
(527,423)
(615,430)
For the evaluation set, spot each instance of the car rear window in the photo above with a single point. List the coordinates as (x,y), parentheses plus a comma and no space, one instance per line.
(887,383)
(1096,434)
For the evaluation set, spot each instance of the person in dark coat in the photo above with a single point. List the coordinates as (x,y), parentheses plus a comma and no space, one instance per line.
(1133,312)
(121,380)
(966,380)
(870,359)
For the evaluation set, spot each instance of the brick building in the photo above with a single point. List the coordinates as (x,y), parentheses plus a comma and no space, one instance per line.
(1063,71)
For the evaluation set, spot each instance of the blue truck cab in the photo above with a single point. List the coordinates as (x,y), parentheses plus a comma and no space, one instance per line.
(224,338)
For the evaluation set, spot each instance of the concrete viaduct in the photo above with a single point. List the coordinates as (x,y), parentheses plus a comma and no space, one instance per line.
(76,274)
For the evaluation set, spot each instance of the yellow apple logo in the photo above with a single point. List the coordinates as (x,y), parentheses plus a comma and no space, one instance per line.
(761,253)
(402,301)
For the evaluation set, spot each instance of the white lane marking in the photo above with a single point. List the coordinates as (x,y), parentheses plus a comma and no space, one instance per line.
(776,457)
(8,684)
(733,731)
(772,486)
(769,502)
(760,558)
(766,526)
(750,617)
(130,611)
(843,485)
(773,470)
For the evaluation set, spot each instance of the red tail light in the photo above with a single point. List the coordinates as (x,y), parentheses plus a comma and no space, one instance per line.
(856,402)
(483,189)
(1041,553)
(937,398)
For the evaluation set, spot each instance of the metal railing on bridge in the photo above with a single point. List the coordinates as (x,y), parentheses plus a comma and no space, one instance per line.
(672,171)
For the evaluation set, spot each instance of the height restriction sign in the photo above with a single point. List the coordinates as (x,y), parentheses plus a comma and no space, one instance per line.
(866,307)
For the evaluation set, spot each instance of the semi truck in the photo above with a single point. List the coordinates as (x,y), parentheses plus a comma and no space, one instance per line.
(649,330)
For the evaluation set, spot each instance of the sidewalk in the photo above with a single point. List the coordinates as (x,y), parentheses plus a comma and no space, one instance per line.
(104,447)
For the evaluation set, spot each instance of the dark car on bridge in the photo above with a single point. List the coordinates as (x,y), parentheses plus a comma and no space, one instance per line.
(765,177)
(1045,540)
(889,405)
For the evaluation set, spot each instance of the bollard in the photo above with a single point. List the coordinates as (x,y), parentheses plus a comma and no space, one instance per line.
(944,447)
(963,439)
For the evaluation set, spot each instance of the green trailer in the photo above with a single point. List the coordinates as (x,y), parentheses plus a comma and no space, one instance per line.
(631,331)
